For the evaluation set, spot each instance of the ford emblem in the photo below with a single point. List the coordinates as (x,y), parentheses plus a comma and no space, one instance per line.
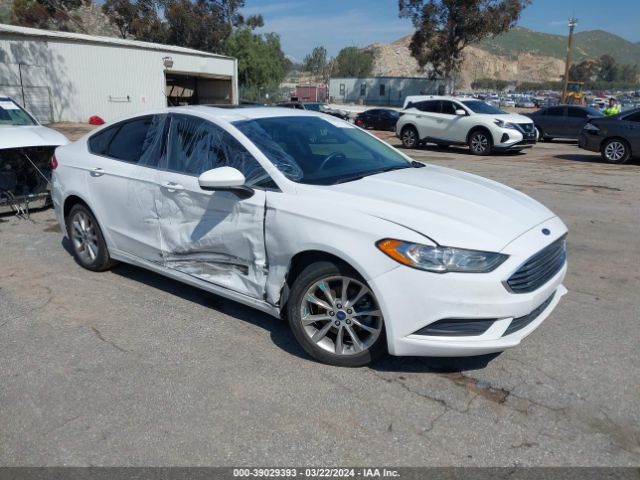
(546,231)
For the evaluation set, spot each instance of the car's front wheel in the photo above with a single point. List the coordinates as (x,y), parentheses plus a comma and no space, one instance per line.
(335,316)
(616,151)
(480,142)
(89,247)
(409,137)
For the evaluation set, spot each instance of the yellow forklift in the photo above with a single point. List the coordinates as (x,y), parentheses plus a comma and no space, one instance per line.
(574,94)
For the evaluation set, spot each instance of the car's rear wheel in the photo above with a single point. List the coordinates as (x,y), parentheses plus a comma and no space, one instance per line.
(480,142)
(409,137)
(335,316)
(616,150)
(87,241)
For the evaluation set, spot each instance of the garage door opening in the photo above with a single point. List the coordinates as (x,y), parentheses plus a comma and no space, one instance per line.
(189,89)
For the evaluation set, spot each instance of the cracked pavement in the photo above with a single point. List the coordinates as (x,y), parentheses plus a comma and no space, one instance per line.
(129,368)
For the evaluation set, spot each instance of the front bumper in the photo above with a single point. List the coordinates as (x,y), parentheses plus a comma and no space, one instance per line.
(411,299)
(510,139)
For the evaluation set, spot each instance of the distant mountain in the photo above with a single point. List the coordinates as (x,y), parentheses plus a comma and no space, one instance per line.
(588,44)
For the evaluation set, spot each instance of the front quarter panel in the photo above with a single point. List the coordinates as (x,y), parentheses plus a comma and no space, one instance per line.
(300,223)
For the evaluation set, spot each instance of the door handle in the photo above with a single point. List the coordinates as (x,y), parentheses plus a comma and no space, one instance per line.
(173,187)
(97,172)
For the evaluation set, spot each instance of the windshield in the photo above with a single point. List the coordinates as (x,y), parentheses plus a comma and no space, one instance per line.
(316,107)
(320,151)
(12,114)
(479,106)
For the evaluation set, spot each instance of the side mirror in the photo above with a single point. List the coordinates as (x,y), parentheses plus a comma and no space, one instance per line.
(460,112)
(225,179)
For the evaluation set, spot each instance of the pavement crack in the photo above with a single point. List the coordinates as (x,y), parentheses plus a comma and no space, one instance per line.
(114,345)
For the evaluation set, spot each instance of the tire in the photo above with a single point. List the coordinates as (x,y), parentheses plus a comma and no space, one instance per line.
(341,334)
(409,137)
(480,142)
(541,137)
(87,241)
(615,150)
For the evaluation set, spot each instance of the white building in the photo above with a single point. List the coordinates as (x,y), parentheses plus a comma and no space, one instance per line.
(61,76)
(389,91)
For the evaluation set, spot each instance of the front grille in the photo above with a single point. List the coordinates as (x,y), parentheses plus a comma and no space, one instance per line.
(527,127)
(539,269)
(521,322)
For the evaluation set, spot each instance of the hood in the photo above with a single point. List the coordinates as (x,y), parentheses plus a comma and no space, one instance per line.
(512,118)
(16,136)
(452,208)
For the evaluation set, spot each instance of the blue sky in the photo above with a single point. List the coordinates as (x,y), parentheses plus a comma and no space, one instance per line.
(303,25)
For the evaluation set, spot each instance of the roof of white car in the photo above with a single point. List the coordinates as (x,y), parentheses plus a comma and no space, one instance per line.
(234,113)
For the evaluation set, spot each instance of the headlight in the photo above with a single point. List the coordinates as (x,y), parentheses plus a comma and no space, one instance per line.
(440,259)
(590,127)
(503,124)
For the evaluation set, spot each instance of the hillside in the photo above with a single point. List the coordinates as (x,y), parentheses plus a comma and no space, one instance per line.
(519,55)
(588,44)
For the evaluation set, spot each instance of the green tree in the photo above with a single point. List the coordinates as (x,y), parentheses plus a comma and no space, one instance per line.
(584,71)
(445,27)
(55,14)
(629,73)
(316,61)
(139,19)
(261,62)
(353,62)
(608,69)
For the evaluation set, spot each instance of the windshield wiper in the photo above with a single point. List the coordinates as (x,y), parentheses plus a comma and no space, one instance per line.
(413,164)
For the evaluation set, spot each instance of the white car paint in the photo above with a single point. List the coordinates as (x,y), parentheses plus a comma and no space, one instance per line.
(152,217)
(452,129)
(17,136)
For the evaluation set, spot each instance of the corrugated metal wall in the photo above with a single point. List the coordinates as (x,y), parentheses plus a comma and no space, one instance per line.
(384,90)
(87,79)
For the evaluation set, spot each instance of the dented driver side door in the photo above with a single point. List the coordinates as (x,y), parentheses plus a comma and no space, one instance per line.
(215,236)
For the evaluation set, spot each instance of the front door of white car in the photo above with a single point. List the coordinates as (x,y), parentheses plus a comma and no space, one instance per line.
(121,181)
(215,236)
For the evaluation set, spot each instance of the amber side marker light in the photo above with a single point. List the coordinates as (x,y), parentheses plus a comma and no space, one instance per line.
(389,246)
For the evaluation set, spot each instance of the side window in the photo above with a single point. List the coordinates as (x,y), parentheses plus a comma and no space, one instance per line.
(448,108)
(555,111)
(196,145)
(132,140)
(633,118)
(432,106)
(363,89)
(577,112)
(382,90)
(342,88)
(99,143)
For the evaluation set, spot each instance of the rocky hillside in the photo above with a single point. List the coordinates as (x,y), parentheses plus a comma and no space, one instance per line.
(519,55)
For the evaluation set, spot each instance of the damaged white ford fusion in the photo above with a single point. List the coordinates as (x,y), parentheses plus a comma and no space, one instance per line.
(306,217)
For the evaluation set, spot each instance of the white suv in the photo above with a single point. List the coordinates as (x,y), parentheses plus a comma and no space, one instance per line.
(451,121)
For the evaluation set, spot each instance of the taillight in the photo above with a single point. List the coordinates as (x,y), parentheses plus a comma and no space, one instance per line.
(54,162)
(359,121)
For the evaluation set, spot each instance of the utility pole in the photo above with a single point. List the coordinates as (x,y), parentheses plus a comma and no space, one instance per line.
(572,24)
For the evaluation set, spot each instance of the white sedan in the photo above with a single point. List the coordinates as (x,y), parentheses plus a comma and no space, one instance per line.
(309,218)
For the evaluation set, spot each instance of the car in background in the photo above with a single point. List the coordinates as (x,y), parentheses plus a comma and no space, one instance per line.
(449,121)
(311,219)
(507,102)
(561,121)
(26,148)
(617,137)
(378,119)
(316,107)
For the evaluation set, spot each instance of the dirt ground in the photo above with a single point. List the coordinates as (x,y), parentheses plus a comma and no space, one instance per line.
(129,368)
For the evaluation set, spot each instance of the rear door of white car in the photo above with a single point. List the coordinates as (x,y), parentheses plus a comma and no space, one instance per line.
(426,117)
(215,236)
(121,183)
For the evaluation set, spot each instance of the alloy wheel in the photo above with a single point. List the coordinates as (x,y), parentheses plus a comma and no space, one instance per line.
(341,315)
(479,142)
(84,237)
(409,138)
(615,151)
